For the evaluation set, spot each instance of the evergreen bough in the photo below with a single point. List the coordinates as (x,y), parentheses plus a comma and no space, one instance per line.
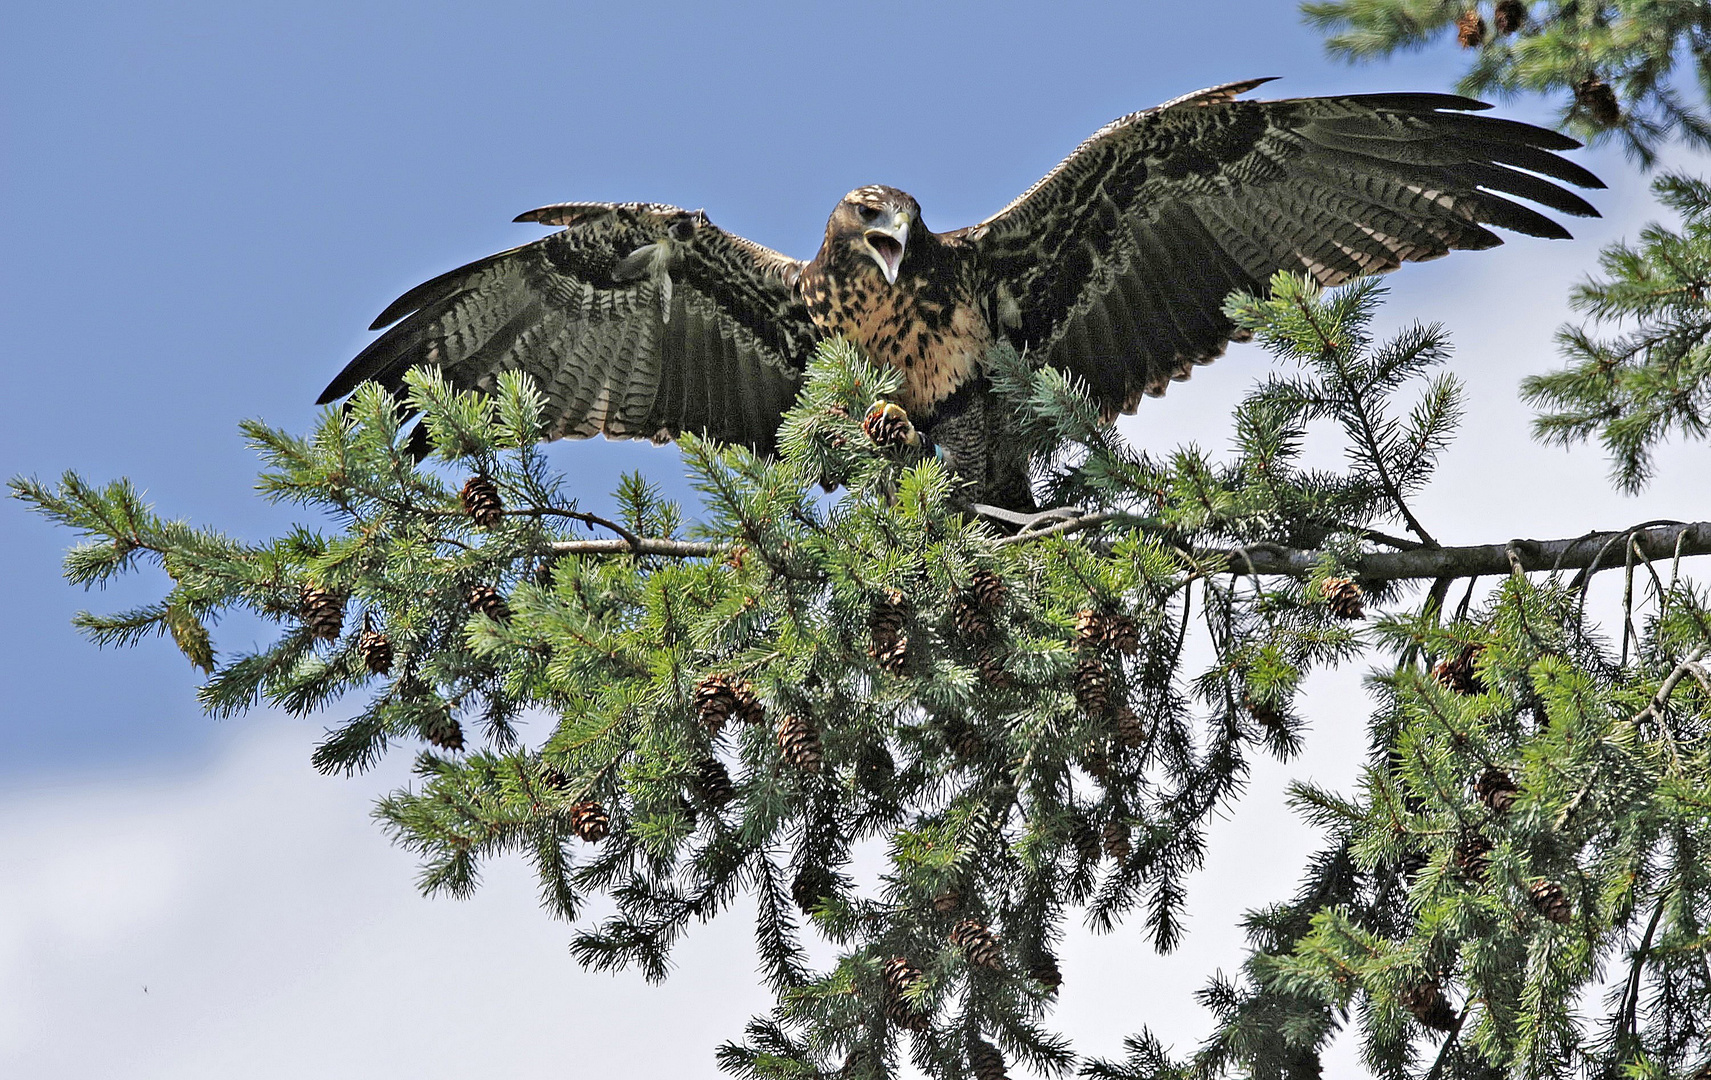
(1009,718)
(1633,390)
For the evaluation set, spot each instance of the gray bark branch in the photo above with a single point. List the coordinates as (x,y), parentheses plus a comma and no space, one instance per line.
(1479,560)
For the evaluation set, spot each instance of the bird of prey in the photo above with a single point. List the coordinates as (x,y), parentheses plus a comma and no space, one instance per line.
(639,320)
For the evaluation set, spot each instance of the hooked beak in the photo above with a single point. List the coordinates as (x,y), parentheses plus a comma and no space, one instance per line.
(885,244)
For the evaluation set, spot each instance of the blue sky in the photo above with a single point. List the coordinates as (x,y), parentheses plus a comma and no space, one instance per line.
(203,204)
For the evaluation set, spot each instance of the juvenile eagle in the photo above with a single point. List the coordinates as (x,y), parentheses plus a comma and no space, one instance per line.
(639,320)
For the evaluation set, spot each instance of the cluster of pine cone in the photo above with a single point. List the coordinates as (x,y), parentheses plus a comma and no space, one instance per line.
(718,698)
(1599,100)
(973,607)
(1095,629)
(1097,632)
(811,885)
(1509,16)
(1472,854)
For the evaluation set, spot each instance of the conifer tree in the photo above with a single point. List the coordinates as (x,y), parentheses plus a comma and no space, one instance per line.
(746,695)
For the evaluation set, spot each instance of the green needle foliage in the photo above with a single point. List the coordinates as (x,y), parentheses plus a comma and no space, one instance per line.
(1611,63)
(1633,391)
(935,745)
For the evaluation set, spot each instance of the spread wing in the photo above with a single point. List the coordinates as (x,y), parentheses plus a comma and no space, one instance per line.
(1115,265)
(636,320)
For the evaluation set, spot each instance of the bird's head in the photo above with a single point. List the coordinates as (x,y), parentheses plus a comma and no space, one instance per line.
(875,222)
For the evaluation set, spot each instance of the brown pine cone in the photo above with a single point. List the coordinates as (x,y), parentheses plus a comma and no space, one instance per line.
(1130,731)
(589,821)
(992,671)
(1266,713)
(977,944)
(889,427)
(985,1062)
(900,976)
(799,741)
(1550,900)
(971,618)
(1472,855)
(1090,628)
(906,1016)
(1097,765)
(322,611)
(987,587)
(947,901)
(1595,96)
(963,738)
(486,600)
(885,625)
(1496,789)
(811,885)
(1084,839)
(1470,29)
(375,648)
(712,782)
(892,655)
(1044,970)
(442,729)
(1426,1001)
(1116,841)
(1509,16)
(720,697)
(1456,674)
(480,500)
(1344,597)
(1122,634)
(1092,685)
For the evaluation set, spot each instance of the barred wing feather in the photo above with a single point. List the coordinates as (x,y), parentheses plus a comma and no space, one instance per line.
(636,320)
(1115,265)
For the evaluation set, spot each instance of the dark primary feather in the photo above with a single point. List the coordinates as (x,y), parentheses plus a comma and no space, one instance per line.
(1119,259)
(636,321)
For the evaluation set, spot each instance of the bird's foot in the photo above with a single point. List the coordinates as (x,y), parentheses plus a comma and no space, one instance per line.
(1026,523)
(887,424)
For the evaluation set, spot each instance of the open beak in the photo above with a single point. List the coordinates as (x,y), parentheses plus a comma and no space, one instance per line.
(885,244)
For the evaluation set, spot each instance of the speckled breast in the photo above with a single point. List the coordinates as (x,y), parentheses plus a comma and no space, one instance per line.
(917,326)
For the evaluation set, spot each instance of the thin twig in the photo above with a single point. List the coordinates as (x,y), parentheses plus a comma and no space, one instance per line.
(1682,670)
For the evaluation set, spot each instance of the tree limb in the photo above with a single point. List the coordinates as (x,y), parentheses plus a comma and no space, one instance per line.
(1693,538)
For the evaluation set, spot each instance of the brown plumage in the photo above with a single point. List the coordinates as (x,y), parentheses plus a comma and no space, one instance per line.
(639,320)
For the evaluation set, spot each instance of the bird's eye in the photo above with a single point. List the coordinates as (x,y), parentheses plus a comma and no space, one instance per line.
(869,213)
